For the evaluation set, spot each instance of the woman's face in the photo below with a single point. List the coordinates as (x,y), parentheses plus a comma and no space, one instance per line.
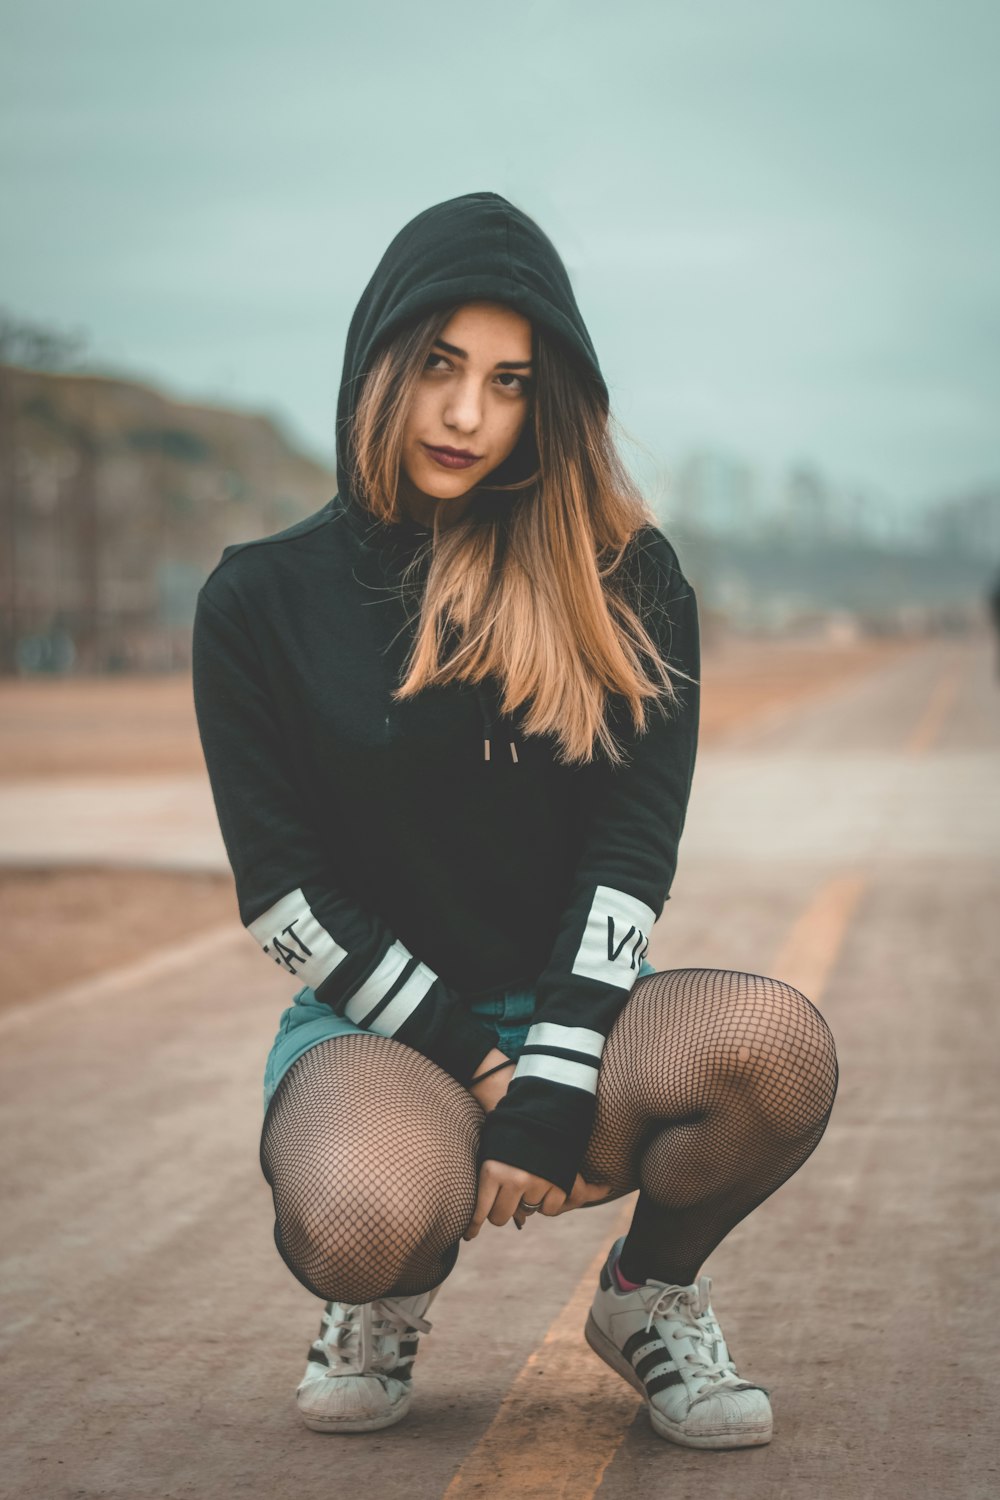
(473,398)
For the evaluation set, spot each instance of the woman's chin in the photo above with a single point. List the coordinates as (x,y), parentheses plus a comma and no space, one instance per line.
(439,486)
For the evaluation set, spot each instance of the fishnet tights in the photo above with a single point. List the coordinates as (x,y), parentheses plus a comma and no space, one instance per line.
(714,1087)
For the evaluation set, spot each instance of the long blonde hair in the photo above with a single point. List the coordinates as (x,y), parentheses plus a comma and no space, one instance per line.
(528,589)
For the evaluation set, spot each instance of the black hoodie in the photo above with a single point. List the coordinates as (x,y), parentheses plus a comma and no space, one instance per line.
(404,859)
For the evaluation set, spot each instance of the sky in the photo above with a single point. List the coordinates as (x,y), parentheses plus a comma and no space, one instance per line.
(780,219)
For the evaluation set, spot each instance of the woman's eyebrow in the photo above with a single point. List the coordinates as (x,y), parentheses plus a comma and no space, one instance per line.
(501,364)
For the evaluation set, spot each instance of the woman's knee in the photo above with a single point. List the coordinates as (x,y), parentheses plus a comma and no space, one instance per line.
(364,1202)
(781,1050)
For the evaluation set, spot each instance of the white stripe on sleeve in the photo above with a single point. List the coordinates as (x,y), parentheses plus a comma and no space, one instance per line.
(295,938)
(557,1070)
(615,938)
(378,984)
(569,1038)
(403,1004)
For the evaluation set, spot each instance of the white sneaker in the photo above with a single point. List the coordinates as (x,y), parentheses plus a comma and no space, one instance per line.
(665,1341)
(358,1375)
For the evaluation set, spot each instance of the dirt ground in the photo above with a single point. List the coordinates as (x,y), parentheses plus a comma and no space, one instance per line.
(97,918)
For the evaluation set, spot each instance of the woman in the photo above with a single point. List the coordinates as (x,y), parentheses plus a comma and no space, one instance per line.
(450,724)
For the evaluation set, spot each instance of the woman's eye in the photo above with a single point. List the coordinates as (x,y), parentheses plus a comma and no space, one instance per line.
(523,383)
(434,356)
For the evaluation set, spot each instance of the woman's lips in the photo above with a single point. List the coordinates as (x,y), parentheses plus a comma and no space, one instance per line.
(449,460)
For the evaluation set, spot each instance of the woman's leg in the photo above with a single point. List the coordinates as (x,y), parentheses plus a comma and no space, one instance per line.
(714,1087)
(370,1152)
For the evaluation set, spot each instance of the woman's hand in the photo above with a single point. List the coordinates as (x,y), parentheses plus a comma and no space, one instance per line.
(501,1188)
(582,1194)
(491,1090)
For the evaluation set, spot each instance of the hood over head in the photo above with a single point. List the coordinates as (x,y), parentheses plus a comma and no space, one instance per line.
(474,248)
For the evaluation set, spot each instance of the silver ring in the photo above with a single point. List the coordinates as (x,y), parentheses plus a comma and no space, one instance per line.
(530,1208)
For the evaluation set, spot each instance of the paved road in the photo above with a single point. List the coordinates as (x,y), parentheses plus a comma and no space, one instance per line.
(152,1338)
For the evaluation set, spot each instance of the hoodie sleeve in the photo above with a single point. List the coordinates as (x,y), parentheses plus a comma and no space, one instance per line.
(289,900)
(622,880)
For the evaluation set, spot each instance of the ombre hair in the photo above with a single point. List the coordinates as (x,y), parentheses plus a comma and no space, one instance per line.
(528,588)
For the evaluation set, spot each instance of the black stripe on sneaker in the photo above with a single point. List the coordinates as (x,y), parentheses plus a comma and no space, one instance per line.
(660,1382)
(645,1338)
(651,1360)
(317,1357)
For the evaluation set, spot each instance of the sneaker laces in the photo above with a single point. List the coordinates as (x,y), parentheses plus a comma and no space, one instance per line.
(690,1305)
(358,1341)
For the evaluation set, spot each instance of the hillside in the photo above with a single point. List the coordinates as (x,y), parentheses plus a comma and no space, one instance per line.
(115,502)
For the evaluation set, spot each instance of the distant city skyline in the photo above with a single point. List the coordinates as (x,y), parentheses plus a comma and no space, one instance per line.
(780,220)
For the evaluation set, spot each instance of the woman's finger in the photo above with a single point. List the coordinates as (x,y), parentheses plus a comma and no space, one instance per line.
(505,1204)
(484,1203)
(584,1193)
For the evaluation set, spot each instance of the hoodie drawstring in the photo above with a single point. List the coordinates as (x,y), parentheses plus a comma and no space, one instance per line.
(489,708)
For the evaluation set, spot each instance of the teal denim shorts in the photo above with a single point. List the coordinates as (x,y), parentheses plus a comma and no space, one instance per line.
(307,1022)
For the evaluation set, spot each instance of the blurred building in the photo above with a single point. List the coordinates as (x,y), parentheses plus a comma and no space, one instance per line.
(718,493)
(966,523)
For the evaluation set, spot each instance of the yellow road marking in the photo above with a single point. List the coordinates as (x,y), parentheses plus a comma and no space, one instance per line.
(555,1449)
(536,1451)
(810,950)
(935,710)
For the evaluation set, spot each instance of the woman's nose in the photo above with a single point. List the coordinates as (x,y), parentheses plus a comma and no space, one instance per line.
(464,409)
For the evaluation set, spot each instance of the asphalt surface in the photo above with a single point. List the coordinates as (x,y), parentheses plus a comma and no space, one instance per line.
(152,1338)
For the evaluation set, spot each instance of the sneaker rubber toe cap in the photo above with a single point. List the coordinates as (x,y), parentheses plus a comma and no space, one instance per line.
(727,1418)
(352,1403)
